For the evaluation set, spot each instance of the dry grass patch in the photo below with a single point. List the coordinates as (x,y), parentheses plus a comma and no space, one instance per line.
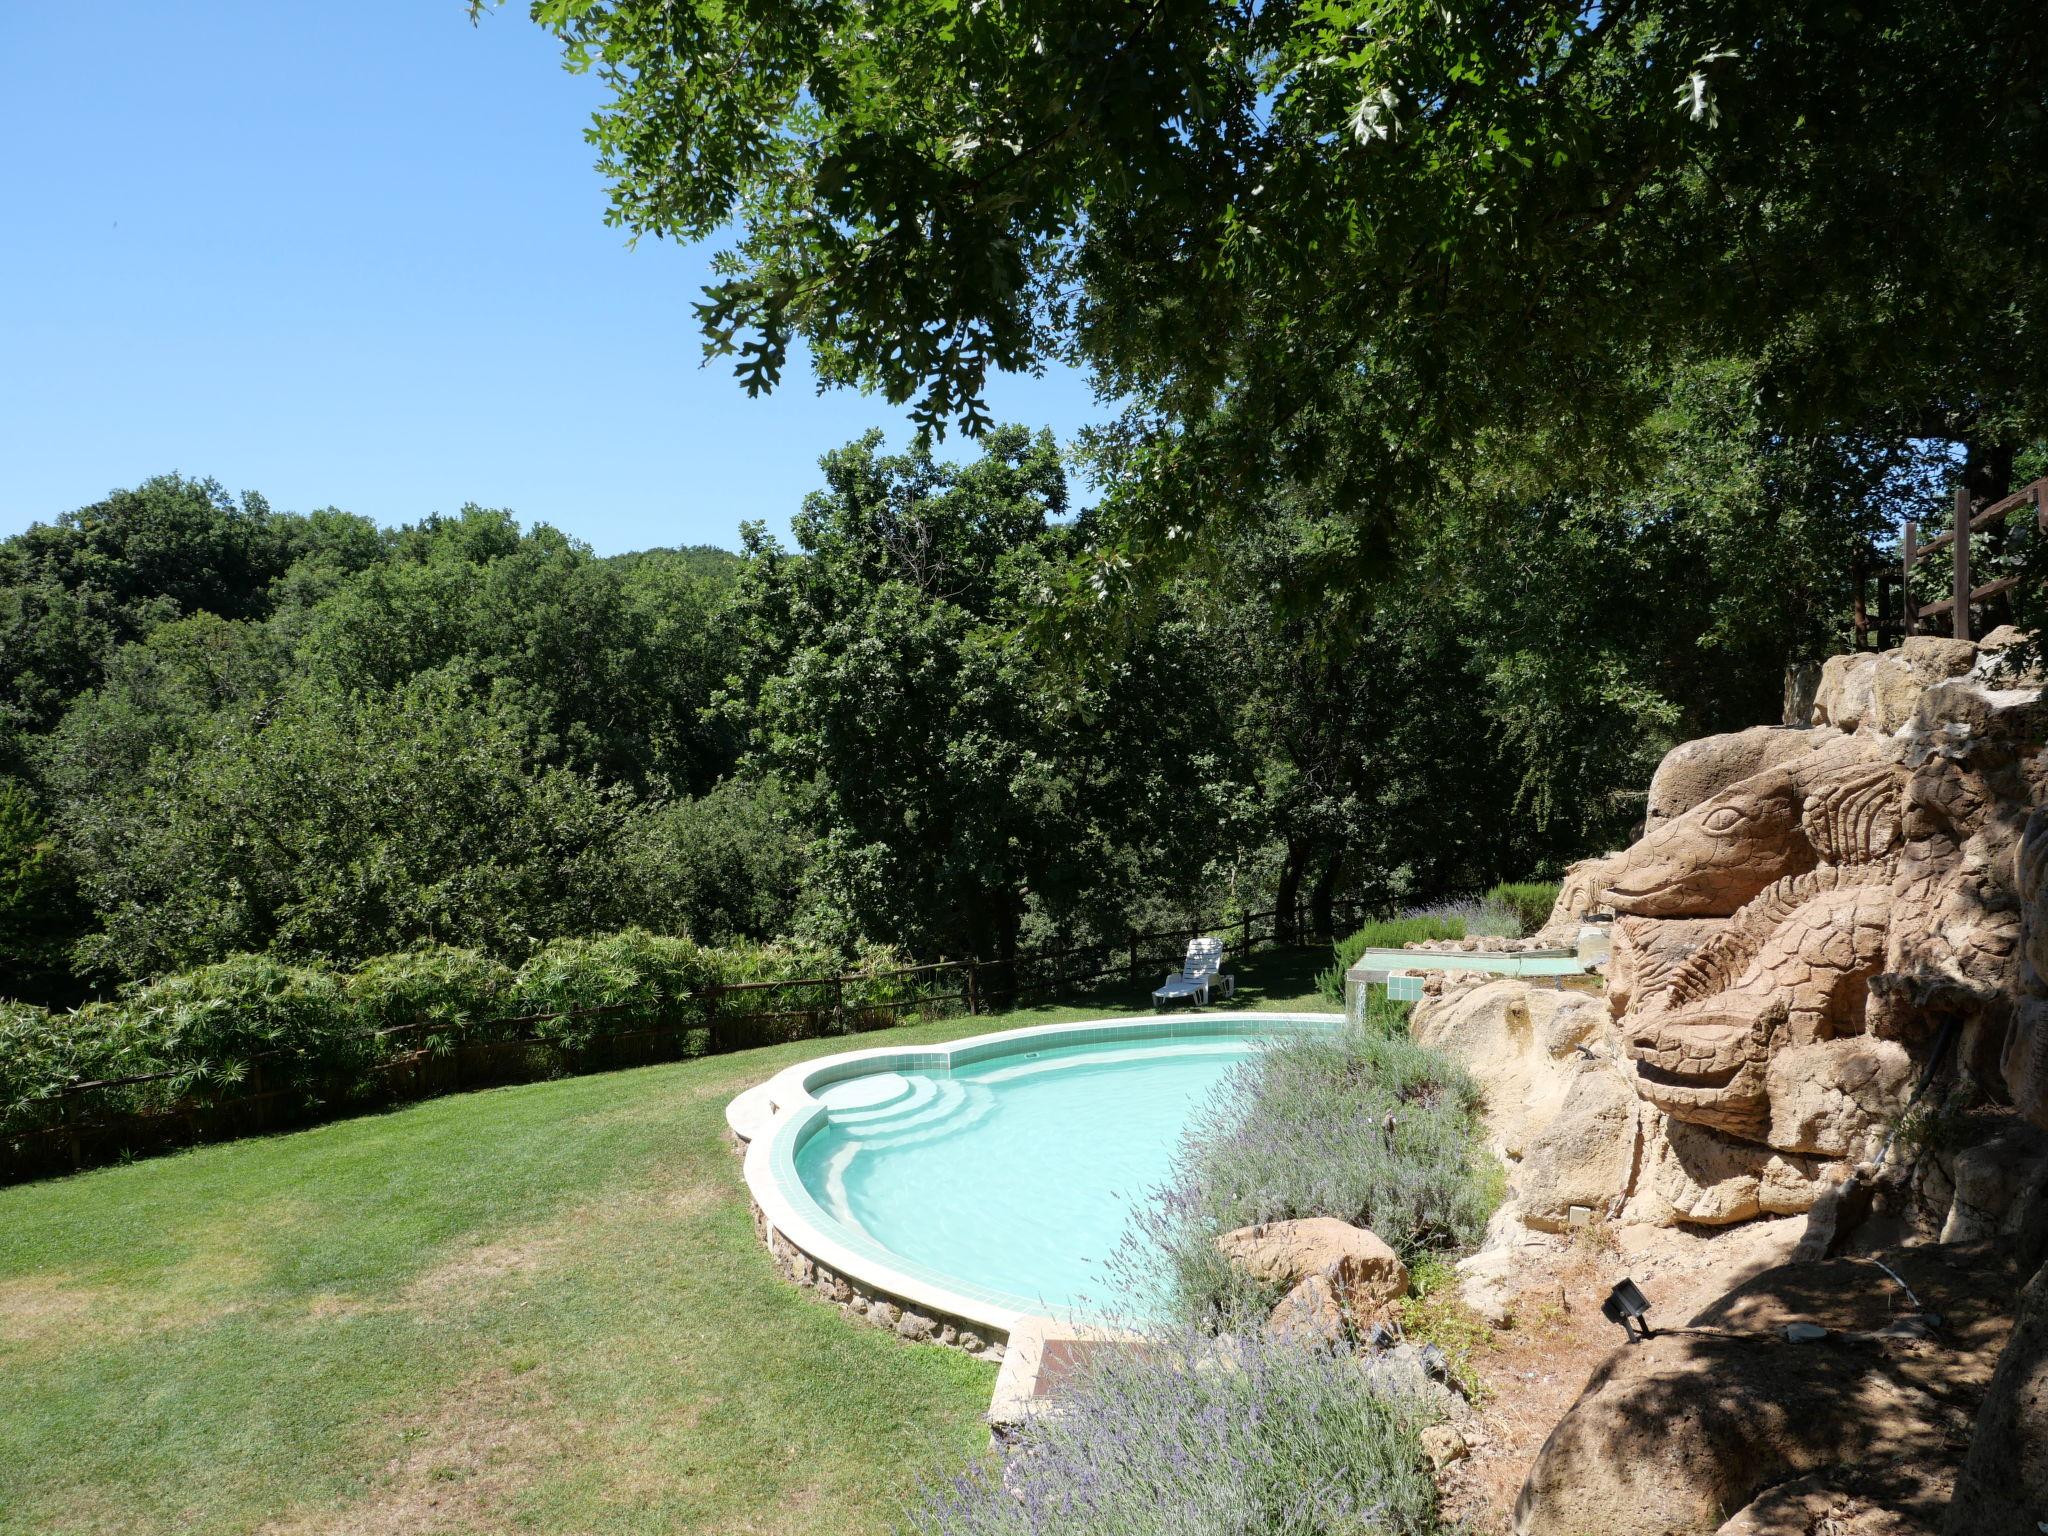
(461,1465)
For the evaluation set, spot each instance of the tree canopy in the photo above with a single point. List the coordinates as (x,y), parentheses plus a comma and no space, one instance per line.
(1378,243)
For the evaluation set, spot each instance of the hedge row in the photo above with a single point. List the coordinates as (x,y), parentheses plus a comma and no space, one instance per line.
(217,1034)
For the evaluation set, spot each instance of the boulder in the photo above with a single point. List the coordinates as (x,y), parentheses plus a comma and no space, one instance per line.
(1515,1040)
(1443,1444)
(1836,1097)
(1353,1260)
(1843,699)
(1902,676)
(1586,1155)
(1894,1499)
(2002,1489)
(1671,1435)
(1312,1314)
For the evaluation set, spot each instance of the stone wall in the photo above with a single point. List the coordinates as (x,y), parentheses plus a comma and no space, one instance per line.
(876,1308)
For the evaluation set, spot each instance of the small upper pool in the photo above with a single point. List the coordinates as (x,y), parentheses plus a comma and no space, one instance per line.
(1002,1171)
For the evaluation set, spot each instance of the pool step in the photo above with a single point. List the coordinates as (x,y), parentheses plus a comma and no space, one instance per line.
(932,1107)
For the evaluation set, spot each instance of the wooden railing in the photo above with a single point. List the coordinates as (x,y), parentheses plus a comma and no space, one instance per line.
(1962,593)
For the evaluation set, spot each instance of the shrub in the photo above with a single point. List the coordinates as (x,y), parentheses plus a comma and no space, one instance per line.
(448,991)
(206,1027)
(1529,900)
(1302,1131)
(639,978)
(199,1034)
(1196,1436)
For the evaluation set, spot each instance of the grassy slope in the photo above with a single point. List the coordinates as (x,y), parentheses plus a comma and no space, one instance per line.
(538,1308)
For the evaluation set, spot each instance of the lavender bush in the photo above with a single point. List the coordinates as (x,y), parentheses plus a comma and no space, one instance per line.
(1209,1427)
(1201,1436)
(1302,1130)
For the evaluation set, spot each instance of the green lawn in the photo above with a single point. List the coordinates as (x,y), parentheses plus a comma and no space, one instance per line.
(539,1308)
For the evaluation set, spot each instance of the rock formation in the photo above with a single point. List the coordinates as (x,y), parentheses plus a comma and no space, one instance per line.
(1808,916)
(1812,922)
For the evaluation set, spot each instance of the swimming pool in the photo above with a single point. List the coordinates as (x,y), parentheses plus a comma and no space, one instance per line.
(993,1178)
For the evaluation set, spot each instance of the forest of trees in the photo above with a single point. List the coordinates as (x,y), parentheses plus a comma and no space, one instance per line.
(226,729)
(1479,420)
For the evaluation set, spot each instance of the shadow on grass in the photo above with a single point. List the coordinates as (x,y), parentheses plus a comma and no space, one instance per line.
(1267,978)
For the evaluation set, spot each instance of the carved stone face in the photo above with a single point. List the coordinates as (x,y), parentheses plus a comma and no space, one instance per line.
(1703,1050)
(1719,854)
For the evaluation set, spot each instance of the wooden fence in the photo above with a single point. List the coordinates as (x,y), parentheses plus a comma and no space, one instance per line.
(1962,593)
(428,1058)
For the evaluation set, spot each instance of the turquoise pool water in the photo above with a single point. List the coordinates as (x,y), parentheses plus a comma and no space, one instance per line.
(1016,1174)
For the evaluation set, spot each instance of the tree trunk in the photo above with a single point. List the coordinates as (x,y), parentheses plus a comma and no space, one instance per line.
(1285,929)
(1323,900)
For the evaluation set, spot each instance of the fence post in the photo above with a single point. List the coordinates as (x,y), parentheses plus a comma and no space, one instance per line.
(1860,577)
(1962,608)
(839,1005)
(1909,611)
(973,986)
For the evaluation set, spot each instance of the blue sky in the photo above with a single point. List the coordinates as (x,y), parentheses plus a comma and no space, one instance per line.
(354,255)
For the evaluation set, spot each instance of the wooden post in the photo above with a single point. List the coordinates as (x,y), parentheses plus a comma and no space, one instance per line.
(1962,609)
(973,987)
(1909,611)
(839,1005)
(1861,578)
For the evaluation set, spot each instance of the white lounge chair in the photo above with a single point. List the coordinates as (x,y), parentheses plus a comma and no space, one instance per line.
(1201,972)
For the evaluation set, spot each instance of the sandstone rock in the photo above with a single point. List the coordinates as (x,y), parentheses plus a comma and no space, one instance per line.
(1585,1157)
(1697,1175)
(2000,666)
(2003,1486)
(1902,676)
(1442,1445)
(1672,1434)
(1952,717)
(1836,1097)
(1993,1181)
(916,1327)
(1864,889)
(1581,893)
(1404,1371)
(1311,1314)
(1894,1499)
(1354,1260)
(1514,1039)
(1843,699)
(1486,1285)
(1698,770)
(884,1314)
